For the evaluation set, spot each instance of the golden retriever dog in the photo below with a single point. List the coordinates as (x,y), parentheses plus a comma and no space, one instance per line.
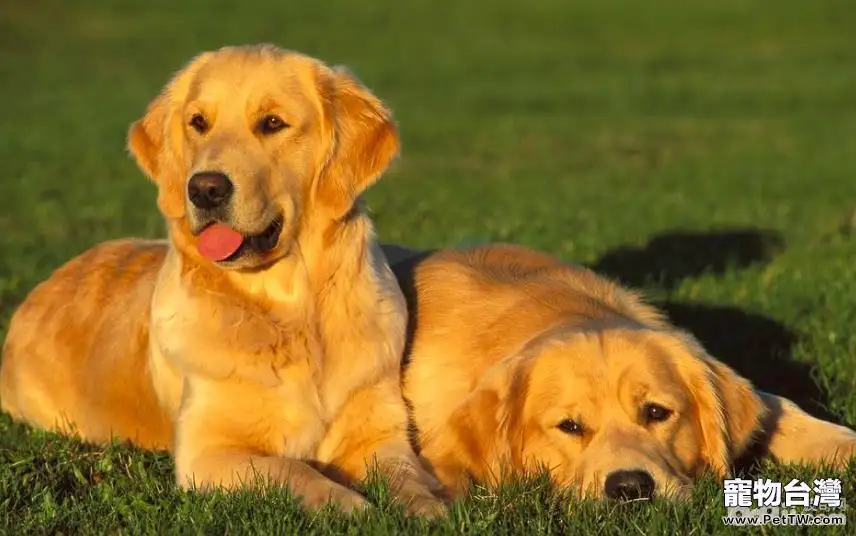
(263,339)
(518,362)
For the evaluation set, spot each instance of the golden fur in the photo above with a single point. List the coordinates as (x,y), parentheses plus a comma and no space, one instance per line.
(281,363)
(509,346)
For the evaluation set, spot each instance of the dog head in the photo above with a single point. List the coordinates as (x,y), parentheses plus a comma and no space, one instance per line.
(245,143)
(620,413)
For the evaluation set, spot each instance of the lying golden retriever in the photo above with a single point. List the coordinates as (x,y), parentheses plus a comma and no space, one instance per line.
(264,337)
(518,361)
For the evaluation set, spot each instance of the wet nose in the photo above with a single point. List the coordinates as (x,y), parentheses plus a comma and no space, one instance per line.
(629,485)
(209,189)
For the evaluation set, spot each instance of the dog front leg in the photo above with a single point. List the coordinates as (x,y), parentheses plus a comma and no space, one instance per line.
(230,469)
(229,436)
(371,431)
(794,436)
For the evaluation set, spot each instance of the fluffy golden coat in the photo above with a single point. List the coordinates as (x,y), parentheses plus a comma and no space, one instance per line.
(280,360)
(518,361)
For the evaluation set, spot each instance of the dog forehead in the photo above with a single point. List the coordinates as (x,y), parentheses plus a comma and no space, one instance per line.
(643,357)
(562,368)
(610,359)
(245,74)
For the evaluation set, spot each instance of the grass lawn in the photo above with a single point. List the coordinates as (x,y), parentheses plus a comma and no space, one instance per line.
(703,150)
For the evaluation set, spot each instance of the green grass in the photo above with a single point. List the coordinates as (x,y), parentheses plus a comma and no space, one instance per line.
(704,150)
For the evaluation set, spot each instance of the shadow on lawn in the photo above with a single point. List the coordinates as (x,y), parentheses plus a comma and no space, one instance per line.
(669,258)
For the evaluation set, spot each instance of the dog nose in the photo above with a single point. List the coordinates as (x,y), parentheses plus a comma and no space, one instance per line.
(209,189)
(629,485)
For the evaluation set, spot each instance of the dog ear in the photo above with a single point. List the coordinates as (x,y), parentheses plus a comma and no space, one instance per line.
(146,135)
(151,141)
(363,140)
(728,410)
(484,435)
(467,448)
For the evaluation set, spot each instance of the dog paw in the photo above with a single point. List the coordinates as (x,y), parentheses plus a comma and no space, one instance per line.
(427,507)
(834,446)
(347,500)
(840,454)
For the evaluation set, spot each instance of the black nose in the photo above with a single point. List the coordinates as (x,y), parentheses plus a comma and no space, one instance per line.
(209,189)
(629,485)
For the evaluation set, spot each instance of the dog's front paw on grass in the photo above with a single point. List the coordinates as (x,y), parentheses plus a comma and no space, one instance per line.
(844,454)
(426,507)
(340,497)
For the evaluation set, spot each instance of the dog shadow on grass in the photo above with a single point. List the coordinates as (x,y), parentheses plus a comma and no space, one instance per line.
(757,347)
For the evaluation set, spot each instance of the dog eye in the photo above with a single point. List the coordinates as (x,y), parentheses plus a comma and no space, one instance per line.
(198,123)
(271,124)
(655,413)
(571,427)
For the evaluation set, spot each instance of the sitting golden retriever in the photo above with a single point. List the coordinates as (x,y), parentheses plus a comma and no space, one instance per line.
(518,361)
(264,337)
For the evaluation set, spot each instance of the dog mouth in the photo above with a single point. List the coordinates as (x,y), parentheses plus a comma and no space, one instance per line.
(220,243)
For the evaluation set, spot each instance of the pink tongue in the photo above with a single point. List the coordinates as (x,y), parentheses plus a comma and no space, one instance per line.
(217,242)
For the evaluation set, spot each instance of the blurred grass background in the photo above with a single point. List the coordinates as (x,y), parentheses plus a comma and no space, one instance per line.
(704,150)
